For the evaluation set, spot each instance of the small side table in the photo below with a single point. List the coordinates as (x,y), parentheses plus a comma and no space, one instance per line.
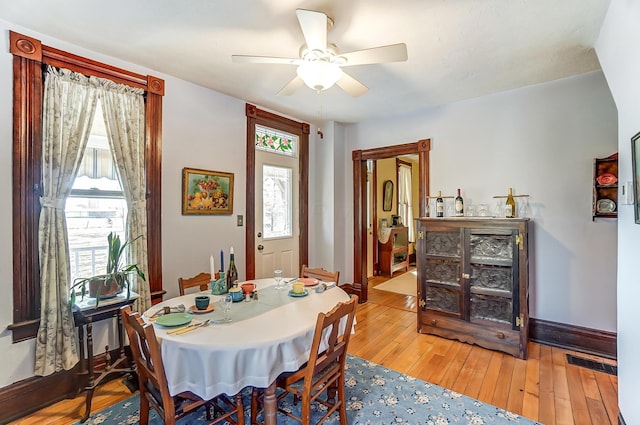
(85,313)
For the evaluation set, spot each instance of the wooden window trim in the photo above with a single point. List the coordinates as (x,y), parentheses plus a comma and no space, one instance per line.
(30,58)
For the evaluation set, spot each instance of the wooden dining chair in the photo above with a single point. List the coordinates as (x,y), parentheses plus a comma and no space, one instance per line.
(202,280)
(323,372)
(320,274)
(154,390)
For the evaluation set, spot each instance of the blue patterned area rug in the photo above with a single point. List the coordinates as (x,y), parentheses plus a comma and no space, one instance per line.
(375,396)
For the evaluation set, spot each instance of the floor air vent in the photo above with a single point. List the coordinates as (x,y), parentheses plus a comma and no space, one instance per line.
(592,364)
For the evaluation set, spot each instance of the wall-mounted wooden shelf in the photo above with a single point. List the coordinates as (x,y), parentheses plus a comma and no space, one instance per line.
(603,192)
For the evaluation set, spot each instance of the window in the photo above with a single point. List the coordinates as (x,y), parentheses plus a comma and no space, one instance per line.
(274,141)
(29,57)
(96,205)
(277,202)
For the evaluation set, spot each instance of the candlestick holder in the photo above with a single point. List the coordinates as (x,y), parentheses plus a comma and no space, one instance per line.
(219,286)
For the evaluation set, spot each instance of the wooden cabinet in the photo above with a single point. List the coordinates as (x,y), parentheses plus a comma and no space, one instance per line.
(473,281)
(394,252)
(605,188)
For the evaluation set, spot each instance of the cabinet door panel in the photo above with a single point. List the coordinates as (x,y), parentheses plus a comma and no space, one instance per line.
(493,309)
(443,272)
(443,244)
(491,277)
(443,299)
(491,248)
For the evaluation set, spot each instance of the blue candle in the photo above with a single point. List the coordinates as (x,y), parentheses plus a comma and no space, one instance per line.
(221,260)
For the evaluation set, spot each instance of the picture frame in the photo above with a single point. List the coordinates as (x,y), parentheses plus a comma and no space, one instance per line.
(635,161)
(387,195)
(206,192)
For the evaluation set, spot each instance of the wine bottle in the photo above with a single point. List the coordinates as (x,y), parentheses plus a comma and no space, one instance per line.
(459,205)
(439,205)
(232,274)
(510,206)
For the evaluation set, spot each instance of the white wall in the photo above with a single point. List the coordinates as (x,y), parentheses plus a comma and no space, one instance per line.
(617,49)
(321,198)
(201,129)
(540,140)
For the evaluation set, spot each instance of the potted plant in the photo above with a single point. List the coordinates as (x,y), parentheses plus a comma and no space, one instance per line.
(116,278)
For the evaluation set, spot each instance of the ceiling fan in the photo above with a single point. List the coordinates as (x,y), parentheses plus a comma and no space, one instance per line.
(320,63)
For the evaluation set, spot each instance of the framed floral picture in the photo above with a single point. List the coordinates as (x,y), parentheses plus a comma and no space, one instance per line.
(206,192)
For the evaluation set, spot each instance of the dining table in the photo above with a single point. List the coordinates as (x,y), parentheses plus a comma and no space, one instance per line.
(268,334)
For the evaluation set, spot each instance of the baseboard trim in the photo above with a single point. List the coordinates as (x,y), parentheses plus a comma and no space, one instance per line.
(32,394)
(576,338)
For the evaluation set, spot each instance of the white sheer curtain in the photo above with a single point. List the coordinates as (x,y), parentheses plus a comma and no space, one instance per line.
(123,109)
(405,210)
(68,108)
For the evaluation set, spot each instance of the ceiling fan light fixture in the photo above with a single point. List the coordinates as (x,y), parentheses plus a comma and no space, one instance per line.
(319,75)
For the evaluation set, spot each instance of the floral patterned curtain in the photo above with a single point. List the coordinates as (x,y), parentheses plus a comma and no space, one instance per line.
(123,109)
(68,108)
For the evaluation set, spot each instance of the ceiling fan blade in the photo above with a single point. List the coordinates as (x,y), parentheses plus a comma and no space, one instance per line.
(390,53)
(352,86)
(264,59)
(314,28)
(291,87)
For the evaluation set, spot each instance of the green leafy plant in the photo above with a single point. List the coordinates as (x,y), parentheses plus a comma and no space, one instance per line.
(117,277)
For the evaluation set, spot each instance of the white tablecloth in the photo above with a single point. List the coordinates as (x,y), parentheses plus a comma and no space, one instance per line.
(224,358)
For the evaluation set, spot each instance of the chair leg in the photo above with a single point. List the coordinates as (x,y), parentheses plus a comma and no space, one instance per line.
(239,409)
(144,410)
(306,411)
(208,409)
(341,400)
(255,405)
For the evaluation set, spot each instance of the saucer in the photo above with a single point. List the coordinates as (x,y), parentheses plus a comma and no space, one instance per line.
(194,310)
(309,281)
(293,294)
(173,319)
(605,206)
(607,179)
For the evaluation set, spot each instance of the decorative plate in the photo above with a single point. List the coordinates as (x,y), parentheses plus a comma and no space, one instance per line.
(293,294)
(173,319)
(607,179)
(194,310)
(605,206)
(309,281)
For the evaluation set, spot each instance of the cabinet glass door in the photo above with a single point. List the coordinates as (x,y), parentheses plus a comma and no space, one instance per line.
(492,278)
(443,261)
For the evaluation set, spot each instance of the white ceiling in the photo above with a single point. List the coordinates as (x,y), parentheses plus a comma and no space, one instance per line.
(458,49)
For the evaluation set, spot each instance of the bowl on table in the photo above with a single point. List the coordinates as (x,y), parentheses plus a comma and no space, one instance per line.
(248,287)
(236,294)
(202,302)
(297,288)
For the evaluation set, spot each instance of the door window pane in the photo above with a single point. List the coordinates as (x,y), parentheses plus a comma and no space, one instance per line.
(276,202)
(270,140)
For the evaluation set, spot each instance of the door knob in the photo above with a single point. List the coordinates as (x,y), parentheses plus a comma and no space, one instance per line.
(259,234)
(260,247)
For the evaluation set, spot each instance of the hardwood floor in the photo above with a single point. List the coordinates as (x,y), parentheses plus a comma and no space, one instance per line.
(544,388)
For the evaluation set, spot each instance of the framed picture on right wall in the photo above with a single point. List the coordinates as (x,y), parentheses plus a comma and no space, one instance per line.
(635,160)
